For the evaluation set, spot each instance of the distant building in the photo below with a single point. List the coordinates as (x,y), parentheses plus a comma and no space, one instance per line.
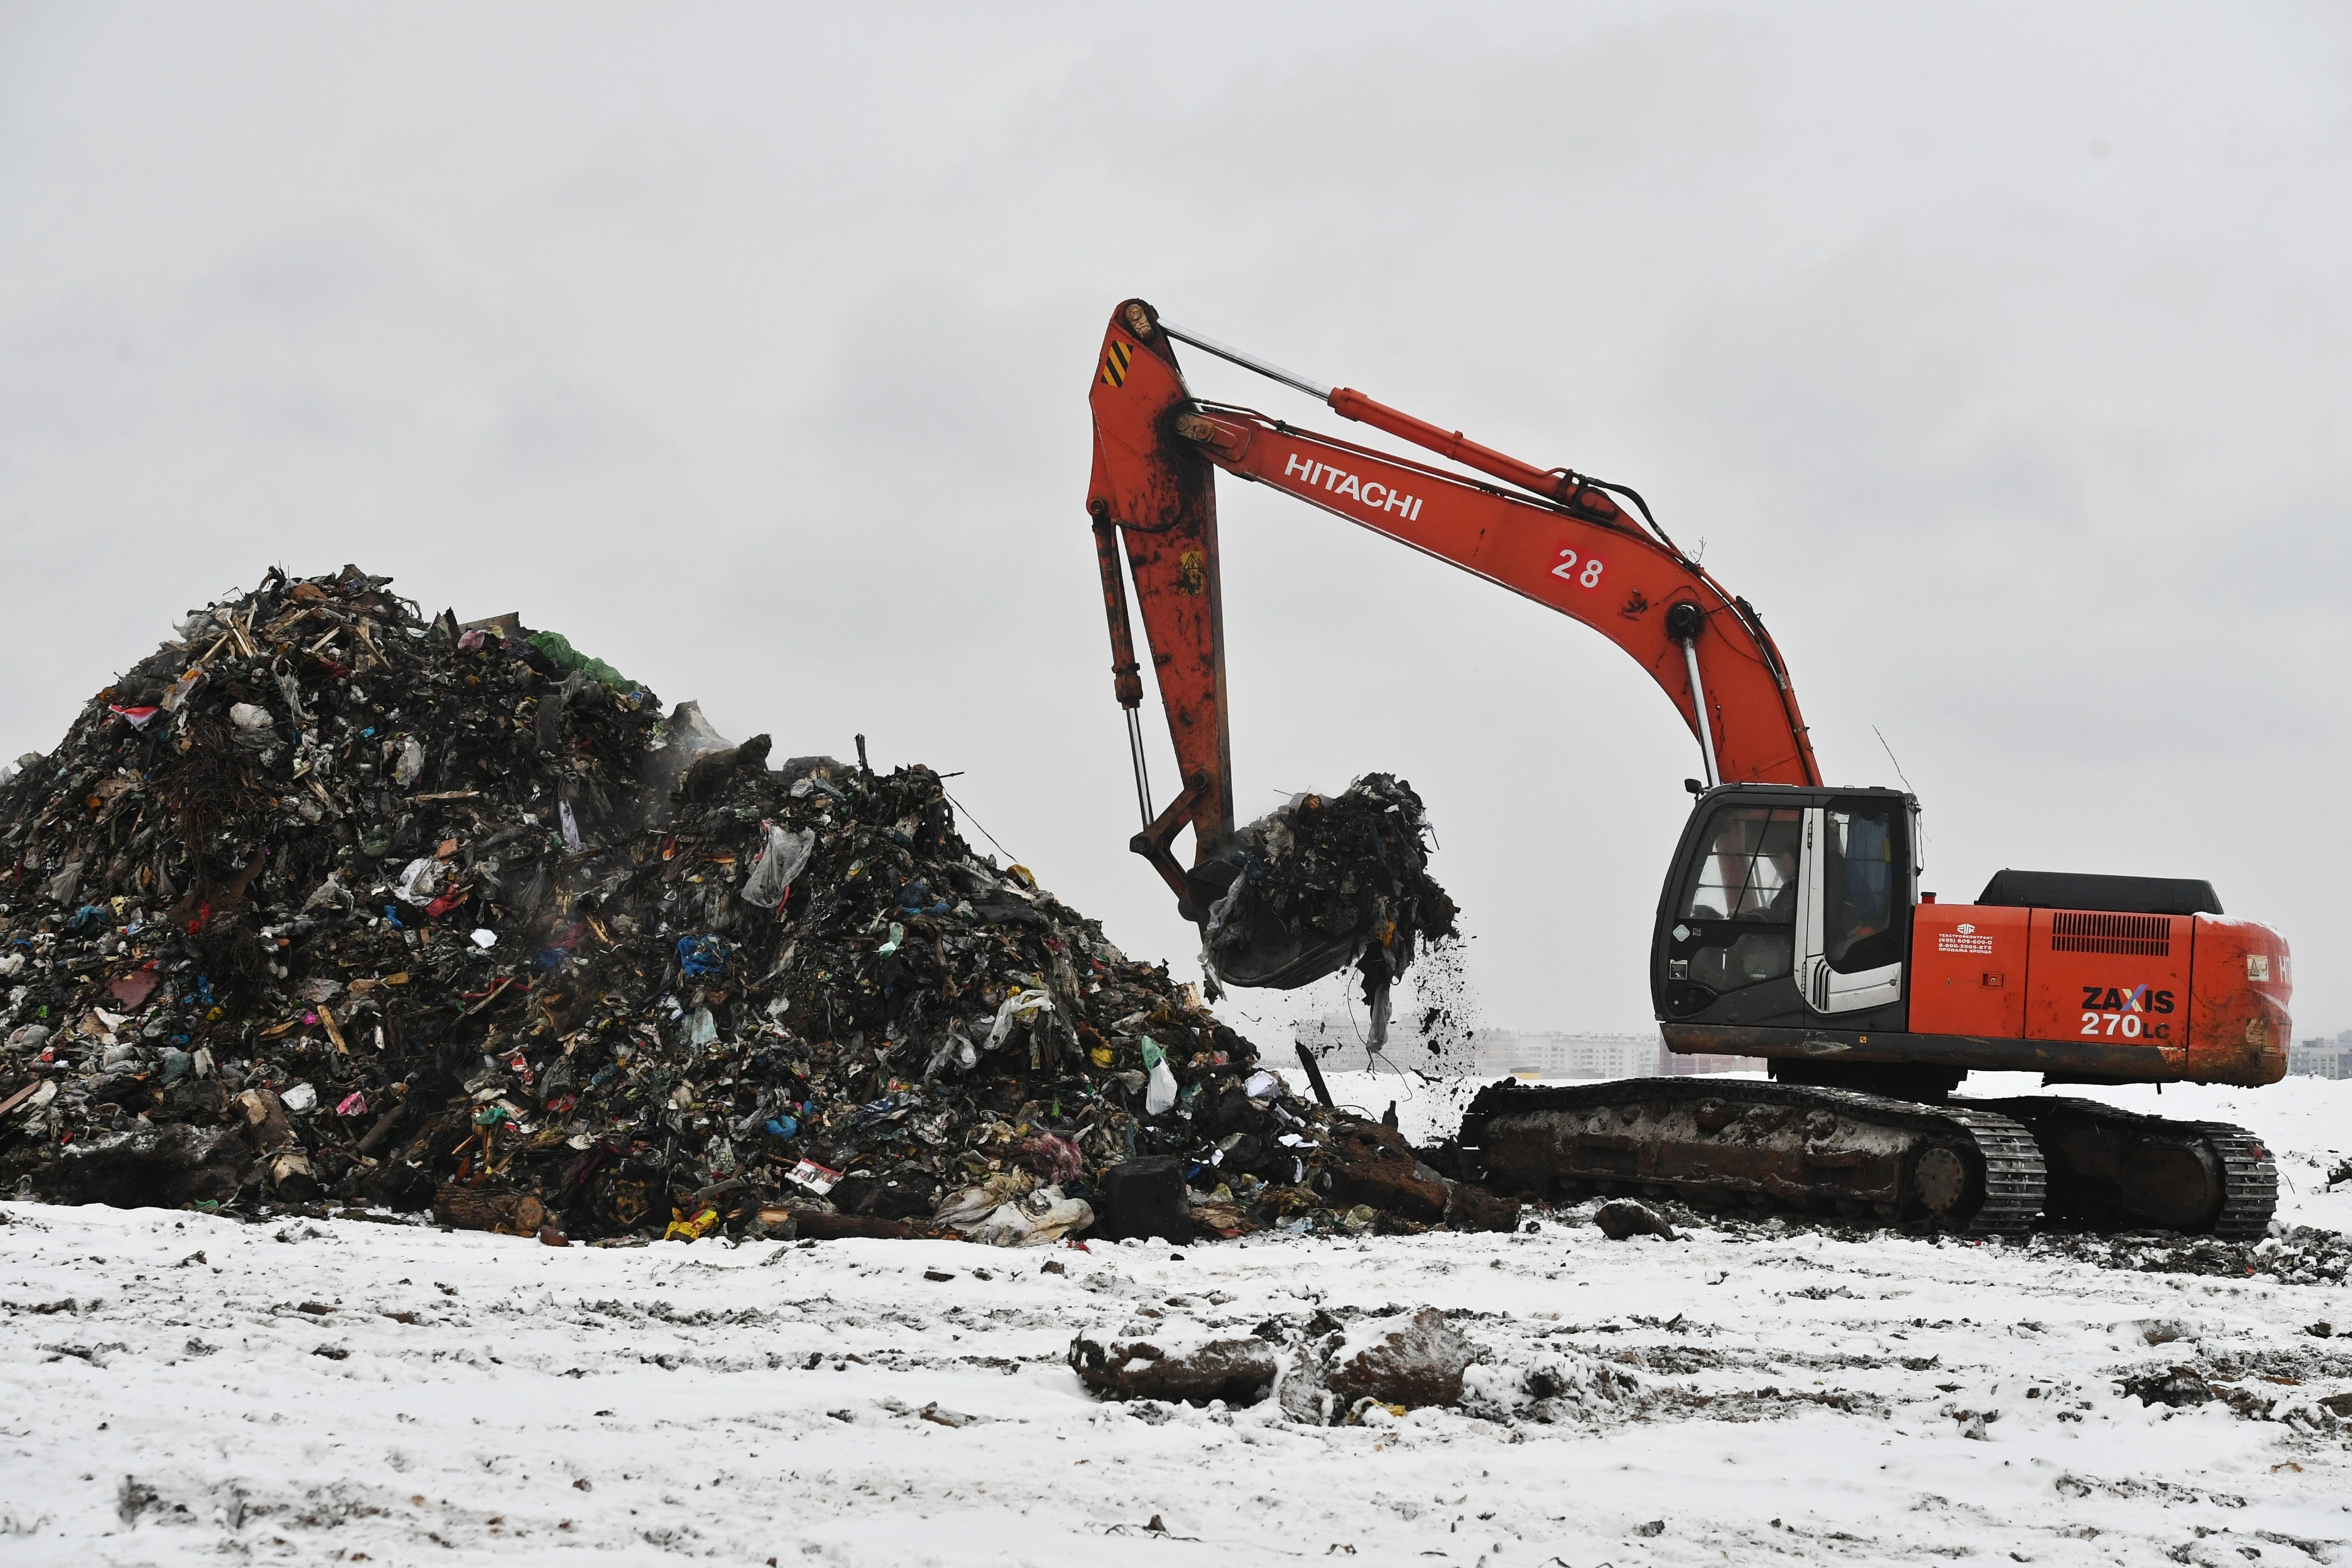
(1338,1039)
(1557,1054)
(2321,1059)
(1673,1065)
(1560,1054)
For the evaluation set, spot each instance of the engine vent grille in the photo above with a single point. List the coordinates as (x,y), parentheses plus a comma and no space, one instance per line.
(2147,936)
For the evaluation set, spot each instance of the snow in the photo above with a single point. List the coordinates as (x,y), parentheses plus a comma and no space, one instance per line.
(1796,1396)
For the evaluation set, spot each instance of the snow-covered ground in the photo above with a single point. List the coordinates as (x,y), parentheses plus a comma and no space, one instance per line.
(177,1387)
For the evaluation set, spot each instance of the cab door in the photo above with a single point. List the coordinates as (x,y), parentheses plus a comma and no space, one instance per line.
(1853,902)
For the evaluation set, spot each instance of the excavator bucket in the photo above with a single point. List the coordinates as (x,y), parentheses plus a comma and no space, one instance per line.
(1253,946)
(1325,881)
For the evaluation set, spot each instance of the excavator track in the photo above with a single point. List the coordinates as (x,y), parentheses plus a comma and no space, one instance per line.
(2112,1169)
(2015,1176)
(2250,1178)
(1766,1146)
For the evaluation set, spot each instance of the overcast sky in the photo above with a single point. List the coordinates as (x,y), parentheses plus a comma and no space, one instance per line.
(1998,356)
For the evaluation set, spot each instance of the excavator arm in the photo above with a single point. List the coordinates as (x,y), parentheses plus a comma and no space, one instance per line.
(1553,535)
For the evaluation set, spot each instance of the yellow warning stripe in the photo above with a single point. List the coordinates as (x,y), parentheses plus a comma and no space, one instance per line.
(1114,370)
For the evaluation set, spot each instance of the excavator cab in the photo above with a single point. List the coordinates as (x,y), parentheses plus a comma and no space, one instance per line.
(1791,928)
(1788,907)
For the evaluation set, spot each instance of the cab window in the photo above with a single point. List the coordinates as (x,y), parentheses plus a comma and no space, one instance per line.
(1739,913)
(1748,871)
(1861,891)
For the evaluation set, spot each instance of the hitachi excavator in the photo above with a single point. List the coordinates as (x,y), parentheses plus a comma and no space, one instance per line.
(1790,926)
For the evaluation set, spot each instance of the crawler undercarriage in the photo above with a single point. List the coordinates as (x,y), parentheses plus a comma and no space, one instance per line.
(1981,1166)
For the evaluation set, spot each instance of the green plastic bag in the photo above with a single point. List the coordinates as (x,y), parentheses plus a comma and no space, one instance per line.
(558,646)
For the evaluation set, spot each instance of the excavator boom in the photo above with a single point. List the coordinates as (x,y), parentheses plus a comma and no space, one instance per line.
(1556,537)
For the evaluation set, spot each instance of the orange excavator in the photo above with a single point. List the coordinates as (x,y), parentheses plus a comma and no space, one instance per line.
(1790,926)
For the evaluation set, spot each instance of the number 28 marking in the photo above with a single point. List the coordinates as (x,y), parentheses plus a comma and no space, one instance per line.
(1587,578)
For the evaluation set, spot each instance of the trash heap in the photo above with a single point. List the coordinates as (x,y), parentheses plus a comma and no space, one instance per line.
(326,901)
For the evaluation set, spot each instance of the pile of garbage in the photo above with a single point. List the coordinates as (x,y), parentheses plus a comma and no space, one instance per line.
(325,900)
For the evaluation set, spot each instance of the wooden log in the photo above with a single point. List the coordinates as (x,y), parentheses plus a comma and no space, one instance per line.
(383,1126)
(265,1121)
(483,1208)
(815,1224)
(1367,1163)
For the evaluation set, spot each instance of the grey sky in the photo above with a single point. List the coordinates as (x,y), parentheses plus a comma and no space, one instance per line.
(1999,358)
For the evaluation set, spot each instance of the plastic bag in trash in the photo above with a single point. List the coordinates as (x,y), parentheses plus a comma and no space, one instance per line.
(954,1046)
(1161,1096)
(1022,1006)
(1044,1215)
(785,856)
(420,884)
(971,1205)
